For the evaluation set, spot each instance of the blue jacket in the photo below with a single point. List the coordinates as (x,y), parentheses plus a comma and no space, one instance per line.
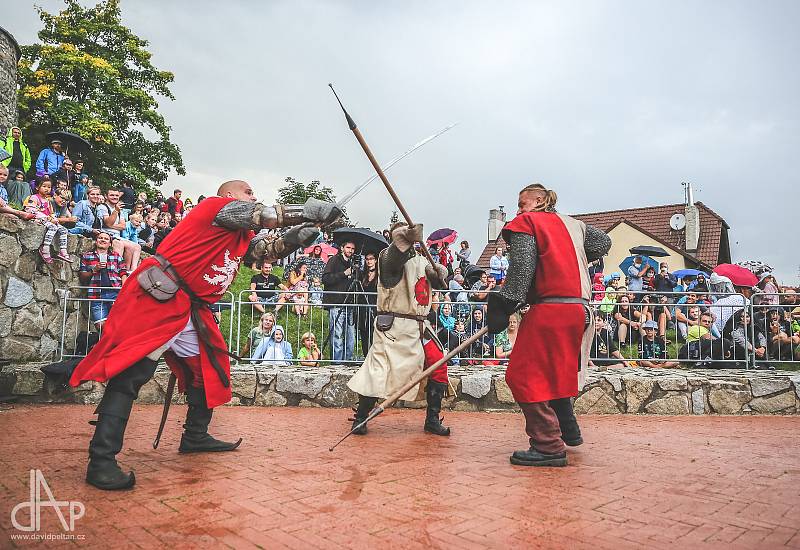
(83,211)
(54,161)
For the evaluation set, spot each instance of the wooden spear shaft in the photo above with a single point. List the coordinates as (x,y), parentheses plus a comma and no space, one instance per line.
(352,124)
(392,399)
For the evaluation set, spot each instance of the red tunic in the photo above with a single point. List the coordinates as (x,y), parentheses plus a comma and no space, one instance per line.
(544,361)
(207,258)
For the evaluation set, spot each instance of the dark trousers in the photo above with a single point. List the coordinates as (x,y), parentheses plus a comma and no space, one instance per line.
(366,320)
(541,425)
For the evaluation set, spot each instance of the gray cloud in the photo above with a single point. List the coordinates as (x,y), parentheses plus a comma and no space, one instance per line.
(612,104)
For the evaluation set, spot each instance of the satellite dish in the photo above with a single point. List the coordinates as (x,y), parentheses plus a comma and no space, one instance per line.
(677,222)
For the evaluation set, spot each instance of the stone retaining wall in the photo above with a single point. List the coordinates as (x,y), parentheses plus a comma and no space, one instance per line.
(30,314)
(611,391)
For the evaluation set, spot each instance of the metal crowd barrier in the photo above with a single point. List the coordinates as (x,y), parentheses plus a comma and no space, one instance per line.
(78,330)
(260,306)
(303,312)
(776,327)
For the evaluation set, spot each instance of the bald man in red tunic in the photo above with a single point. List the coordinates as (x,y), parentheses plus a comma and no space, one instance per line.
(549,256)
(148,320)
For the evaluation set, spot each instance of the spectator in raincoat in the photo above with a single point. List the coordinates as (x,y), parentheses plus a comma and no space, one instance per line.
(20,158)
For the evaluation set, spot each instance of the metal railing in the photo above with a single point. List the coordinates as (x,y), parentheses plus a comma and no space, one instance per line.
(718,342)
(78,330)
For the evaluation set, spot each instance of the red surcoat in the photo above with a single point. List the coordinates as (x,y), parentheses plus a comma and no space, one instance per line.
(544,361)
(207,258)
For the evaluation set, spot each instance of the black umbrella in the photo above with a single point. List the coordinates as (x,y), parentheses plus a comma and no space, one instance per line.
(472,273)
(365,240)
(646,250)
(70,141)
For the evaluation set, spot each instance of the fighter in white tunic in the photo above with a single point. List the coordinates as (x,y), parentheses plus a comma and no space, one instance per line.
(404,341)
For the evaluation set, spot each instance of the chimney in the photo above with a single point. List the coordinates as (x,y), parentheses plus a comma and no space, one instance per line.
(497,219)
(692,219)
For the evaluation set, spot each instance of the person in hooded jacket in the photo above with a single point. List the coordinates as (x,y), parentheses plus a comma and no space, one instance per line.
(20,158)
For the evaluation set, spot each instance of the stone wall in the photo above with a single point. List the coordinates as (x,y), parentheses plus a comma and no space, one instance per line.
(617,391)
(31,312)
(9,55)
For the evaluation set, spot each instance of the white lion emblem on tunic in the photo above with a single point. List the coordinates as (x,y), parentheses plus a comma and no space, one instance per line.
(224,274)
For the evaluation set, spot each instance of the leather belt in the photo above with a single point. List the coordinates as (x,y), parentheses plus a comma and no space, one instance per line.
(420,319)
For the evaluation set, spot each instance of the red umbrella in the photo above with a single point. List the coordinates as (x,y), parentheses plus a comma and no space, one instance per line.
(440,236)
(327,250)
(739,276)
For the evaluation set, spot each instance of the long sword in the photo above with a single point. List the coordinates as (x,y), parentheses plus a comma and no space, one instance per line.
(394,161)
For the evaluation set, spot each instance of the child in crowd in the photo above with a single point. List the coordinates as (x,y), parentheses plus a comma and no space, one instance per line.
(654,350)
(309,353)
(62,211)
(63,189)
(276,350)
(40,206)
(316,291)
(80,187)
(147,233)
(132,227)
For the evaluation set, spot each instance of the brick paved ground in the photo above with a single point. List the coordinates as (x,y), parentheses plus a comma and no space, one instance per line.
(639,481)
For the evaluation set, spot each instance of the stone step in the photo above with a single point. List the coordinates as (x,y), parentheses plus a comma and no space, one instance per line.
(479,388)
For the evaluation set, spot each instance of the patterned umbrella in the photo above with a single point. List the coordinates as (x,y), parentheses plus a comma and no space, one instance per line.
(440,236)
(756,266)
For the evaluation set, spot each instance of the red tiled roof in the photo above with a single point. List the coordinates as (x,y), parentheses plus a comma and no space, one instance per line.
(653,220)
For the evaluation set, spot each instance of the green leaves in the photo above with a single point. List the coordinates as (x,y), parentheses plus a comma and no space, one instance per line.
(91,75)
(298,192)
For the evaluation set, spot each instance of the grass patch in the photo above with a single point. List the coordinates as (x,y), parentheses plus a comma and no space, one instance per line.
(235,331)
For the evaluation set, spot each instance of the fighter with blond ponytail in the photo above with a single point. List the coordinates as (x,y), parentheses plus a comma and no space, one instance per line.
(549,197)
(548,269)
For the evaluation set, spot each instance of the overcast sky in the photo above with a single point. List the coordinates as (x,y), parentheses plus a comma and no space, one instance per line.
(612,104)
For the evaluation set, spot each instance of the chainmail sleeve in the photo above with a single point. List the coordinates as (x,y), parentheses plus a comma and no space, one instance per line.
(237,216)
(521,267)
(596,243)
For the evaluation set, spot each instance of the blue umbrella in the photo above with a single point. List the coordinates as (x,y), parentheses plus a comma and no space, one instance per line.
(627,262)
(681,273)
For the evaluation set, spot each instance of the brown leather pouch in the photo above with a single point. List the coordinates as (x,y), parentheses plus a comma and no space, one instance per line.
(157,283)
(384,322)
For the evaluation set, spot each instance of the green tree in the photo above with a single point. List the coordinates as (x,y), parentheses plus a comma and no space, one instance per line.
(92,76)
(298,192)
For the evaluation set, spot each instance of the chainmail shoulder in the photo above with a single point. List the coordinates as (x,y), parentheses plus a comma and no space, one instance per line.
(391,262)
(521,267)
(596,243)
(237,215)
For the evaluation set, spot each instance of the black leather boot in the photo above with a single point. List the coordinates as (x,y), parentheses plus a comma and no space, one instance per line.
(195,438)
(434,394)
(112,417)
(532,457)
(365,406)
(570,431)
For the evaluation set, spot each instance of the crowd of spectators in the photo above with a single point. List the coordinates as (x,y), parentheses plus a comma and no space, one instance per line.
(660,320)
(645,316)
